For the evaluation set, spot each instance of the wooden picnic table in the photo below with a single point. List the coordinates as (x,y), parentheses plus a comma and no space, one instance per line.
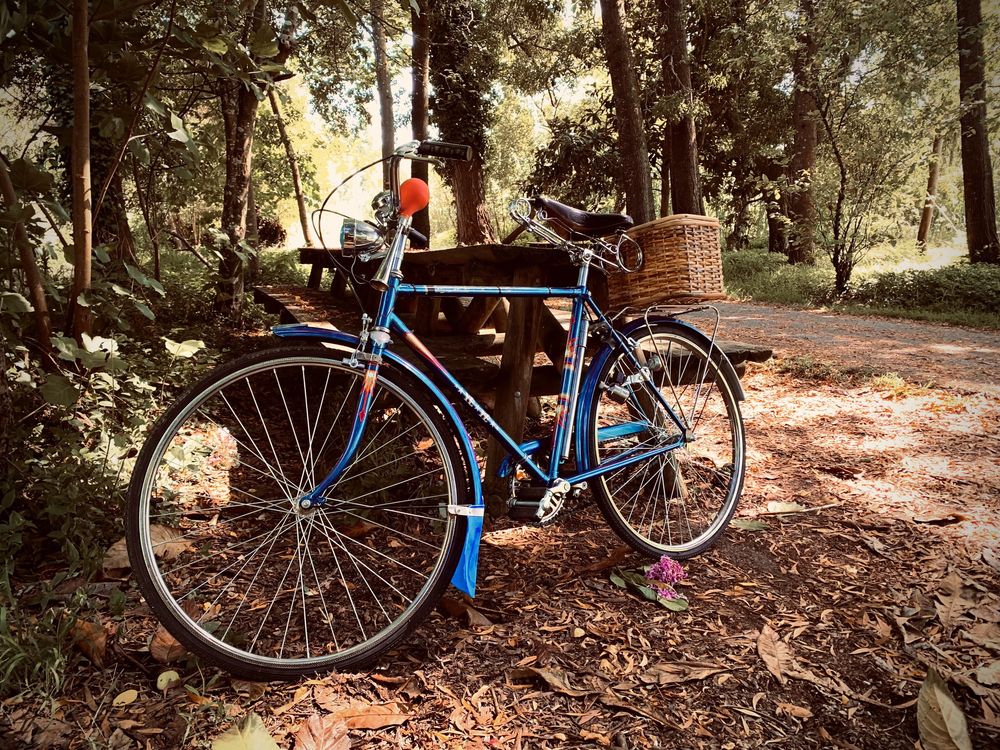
(454,330)
(529,326)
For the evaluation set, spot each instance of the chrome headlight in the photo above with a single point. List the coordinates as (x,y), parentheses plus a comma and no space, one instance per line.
(359,235)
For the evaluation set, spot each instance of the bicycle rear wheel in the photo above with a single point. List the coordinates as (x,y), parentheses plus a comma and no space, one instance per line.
(244,577)
(680,502)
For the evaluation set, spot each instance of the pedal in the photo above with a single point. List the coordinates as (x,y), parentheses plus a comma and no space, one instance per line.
(527,503)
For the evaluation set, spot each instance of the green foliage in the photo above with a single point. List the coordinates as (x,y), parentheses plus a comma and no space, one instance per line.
(963,294)
(974,288)
(767,277)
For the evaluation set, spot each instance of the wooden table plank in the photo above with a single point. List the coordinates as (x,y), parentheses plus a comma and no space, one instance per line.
(514,387)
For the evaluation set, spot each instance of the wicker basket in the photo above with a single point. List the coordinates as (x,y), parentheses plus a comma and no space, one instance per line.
(682,263)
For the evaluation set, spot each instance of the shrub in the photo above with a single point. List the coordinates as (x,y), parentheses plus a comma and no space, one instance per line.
(768,277)
(972,288)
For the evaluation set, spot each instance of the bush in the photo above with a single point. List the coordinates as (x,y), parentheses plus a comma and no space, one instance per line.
(767,277)
(973,288)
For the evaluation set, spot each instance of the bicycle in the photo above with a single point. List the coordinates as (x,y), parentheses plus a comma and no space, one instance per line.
(303,508)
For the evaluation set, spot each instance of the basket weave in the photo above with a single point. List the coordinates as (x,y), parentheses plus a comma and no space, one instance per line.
(682,262)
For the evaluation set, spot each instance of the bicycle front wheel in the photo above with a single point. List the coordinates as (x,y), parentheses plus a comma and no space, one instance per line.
(677,503)
(231,564)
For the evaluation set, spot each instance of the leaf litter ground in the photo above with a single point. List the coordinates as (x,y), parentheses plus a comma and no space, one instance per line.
(866,554)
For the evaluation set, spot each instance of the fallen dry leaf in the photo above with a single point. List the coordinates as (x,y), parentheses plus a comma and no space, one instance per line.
(556,679)
(674,672)
(790,709)
(92,640)
(164,647)
(775,507)
(457,608)
(940,722)
(989,674)
(361,715)
(322,733)
(167,543)
(951,604)
(116,558)
(775,654)
(249,734)
(124,698)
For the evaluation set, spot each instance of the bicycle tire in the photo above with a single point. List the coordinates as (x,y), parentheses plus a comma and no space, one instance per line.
(400,575)
(716,457)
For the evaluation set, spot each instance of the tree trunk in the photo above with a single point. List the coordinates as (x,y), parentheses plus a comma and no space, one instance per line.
(927,215)
(777,227)
(419,101)
(474,225)
(665,171)
(977,171)
(29,267)
(80,321)
(111,227)
(685,185)
(152,231)
(293,167)
(801,209)
(636,177)
(739,236)
(253,234)
(383,85)
(239,112)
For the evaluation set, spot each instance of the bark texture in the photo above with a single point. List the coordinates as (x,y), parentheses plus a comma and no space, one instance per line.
(801,209)
(80,321)
(239,114)
(383,85)
(29,267)
(977,170)
(293,167)
(474,225)
(685,184)
(927,215)
(419,101)
(632,144)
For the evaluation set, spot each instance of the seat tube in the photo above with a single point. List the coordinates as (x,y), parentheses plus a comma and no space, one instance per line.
(576,347)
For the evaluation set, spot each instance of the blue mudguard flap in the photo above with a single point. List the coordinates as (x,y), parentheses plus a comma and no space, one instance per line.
(464,578)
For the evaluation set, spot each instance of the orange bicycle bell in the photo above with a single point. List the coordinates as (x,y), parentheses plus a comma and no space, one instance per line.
(414,195)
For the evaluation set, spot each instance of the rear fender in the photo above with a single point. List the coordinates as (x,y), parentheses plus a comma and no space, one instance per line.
(464,578)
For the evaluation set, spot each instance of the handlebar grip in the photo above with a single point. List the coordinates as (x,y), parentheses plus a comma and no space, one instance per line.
(442,150)
(417,239)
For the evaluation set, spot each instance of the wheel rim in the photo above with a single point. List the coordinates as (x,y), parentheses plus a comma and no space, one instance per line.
(243,568)
(676,501)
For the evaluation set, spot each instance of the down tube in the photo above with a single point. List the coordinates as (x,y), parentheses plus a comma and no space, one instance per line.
(495,429)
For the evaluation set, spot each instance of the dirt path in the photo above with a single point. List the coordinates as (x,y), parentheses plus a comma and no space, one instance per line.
(962,358)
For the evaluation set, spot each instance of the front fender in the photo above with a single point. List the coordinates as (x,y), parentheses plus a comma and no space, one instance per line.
(464,578)
(588,389)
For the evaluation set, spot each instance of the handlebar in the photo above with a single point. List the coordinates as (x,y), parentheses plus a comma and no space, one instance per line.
(442,150)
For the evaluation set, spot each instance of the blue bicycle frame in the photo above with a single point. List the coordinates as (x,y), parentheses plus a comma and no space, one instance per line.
(373,348)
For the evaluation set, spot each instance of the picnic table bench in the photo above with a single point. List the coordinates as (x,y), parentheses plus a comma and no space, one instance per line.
(491,345)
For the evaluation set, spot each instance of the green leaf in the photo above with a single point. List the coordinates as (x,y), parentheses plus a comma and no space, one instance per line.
(184,349)
(144,309)
(680,604)
(154,105)
(344,8)
(264,44)
(59,390)
(29,178)
(139,151)
(144,280)
(14,302)
(216,44)
(747,525)
(249,734)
